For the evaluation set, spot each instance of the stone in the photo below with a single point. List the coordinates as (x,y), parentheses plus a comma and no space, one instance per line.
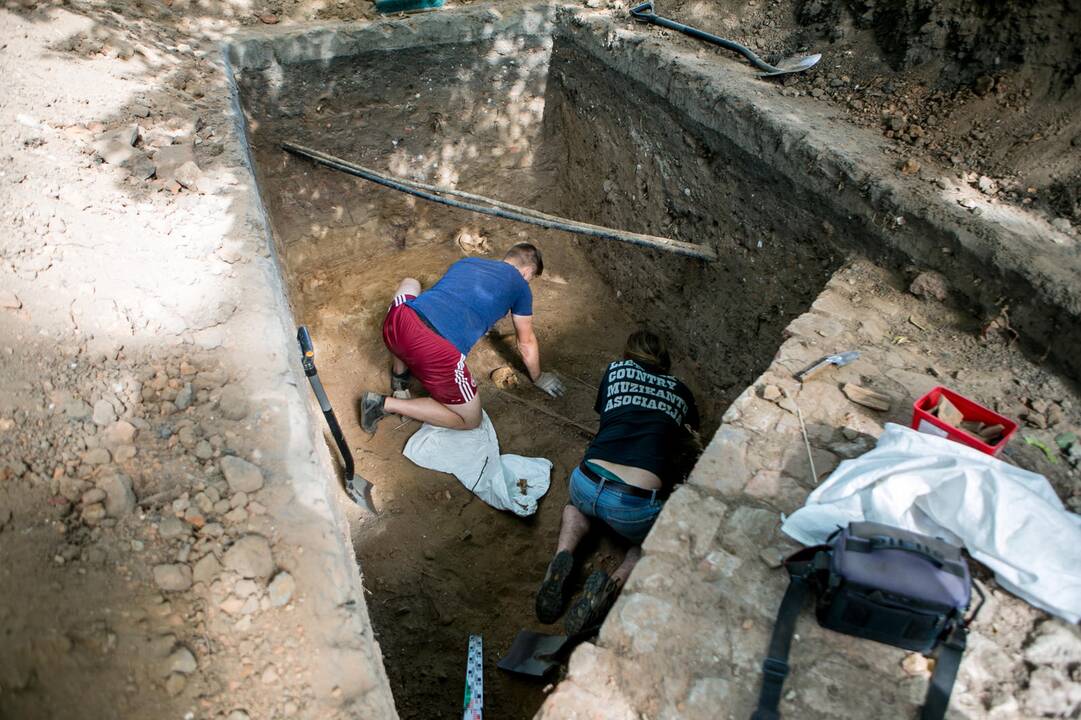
(172,527)
(206,569)
(231,605)
(172,577)
(910,166)
(203,450)
(181,661)
(986,185)
(171,157)
(241,475)
(1050,692)
(124,453)
(916,664)
(175,684)
(238,715)
(245,588)
(97,456)
(183,398)
(9,300)
(233,403)
(236,516)
(93,514)
(1062,225)
(140,110)
(76,409)
(116,147)
(71,488)
(118,433)
(187,175)
(1054,643)
(120,497)
(929,285)
(771,393)
(281,589)
(140,166)
(250,557)
(94,495)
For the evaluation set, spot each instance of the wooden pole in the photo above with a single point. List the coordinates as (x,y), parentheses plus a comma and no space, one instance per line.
(588,431)
(500,209)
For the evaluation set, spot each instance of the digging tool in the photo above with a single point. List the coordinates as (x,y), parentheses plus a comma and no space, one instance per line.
(838,360)
(644,13)
(537,654)
(356,487)
(406,6)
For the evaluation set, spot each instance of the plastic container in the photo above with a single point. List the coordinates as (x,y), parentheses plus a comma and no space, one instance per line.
(925,422)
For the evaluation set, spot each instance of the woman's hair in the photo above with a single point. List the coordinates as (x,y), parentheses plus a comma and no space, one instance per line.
(647,349)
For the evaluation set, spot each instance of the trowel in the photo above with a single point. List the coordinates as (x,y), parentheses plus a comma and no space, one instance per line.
(838,360)
(357,488)
(644,13)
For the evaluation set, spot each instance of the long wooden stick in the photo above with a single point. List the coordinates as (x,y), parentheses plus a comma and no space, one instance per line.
(500,209)
(550,413)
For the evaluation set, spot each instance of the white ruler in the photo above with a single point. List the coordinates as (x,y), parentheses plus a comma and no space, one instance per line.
(473,704)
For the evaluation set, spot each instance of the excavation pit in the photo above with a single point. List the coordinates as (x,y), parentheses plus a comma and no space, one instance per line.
(539,109)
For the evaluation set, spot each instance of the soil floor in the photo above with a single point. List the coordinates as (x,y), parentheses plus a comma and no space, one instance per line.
(121,288)
(440,564)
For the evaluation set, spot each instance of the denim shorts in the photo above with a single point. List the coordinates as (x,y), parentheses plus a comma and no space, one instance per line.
(629,515)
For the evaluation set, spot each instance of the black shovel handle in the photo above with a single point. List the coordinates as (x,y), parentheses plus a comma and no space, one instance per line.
(307,360)
(644,13)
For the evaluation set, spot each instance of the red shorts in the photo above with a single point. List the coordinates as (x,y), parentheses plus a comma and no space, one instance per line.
(432,358)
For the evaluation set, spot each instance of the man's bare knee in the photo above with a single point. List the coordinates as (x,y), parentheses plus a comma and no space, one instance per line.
(470,413)
(408,286)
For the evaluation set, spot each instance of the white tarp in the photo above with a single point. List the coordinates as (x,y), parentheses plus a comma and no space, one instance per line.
(1008,518)
(473,457)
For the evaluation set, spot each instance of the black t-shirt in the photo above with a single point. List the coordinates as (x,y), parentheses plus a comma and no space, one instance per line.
(642,418)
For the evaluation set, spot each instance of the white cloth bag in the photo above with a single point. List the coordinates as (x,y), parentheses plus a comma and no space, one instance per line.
(1009,519)
(473,457)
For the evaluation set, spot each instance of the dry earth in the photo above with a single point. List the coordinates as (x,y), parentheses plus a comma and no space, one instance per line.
(158,556)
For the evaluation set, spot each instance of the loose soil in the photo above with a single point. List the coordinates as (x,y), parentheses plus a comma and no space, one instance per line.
(440,564)
(117,280)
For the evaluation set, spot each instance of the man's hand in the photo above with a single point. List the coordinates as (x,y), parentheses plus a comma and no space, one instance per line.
(550,383)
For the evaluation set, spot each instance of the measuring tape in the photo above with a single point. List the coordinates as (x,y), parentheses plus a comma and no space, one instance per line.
(474,680)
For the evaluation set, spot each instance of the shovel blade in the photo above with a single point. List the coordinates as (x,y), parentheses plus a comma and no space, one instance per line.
(359,491)
(794,65)
(531,654)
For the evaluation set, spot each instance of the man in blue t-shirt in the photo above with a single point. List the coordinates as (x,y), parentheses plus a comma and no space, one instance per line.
(430,333)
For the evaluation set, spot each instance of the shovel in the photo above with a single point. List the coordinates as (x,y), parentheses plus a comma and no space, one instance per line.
(644,13)
(356,487)
(537,654)
(533,653)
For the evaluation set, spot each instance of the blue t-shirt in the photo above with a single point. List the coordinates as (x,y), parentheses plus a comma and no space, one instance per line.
(471,297)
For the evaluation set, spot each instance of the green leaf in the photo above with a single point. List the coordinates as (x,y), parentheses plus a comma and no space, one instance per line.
(1051,456)
(1065,440)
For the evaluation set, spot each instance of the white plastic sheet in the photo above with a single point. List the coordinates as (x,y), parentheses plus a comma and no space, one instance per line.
(473,457)
(1008,518)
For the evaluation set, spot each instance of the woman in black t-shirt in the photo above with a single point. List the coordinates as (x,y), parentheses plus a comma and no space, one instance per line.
(628,470)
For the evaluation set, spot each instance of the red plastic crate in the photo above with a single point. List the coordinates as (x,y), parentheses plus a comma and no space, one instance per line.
(924,421)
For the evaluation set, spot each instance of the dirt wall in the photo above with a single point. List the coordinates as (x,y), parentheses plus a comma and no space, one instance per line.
(633,161)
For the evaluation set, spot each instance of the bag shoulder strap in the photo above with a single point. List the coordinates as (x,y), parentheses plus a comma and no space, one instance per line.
(802,567)
(947,662)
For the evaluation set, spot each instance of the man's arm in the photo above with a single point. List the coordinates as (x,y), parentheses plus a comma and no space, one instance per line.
(528,347)
(527,344)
